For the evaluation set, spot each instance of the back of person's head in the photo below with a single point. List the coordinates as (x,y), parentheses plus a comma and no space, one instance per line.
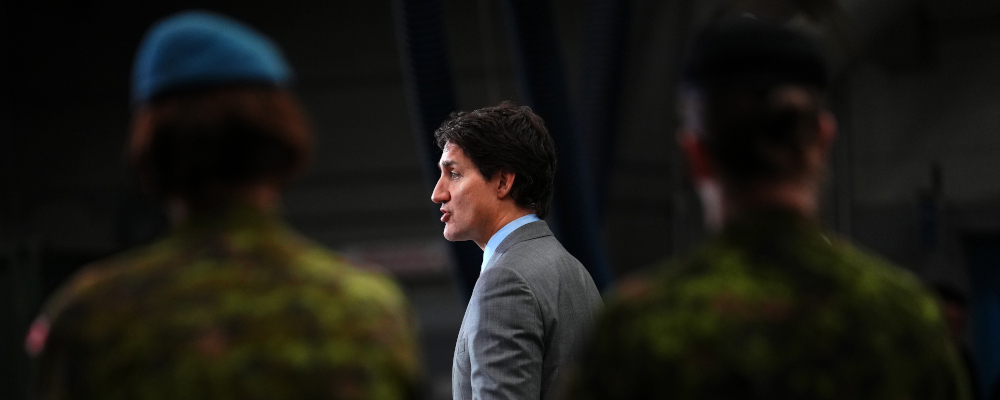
(752,91)
(507,138)
(213,113)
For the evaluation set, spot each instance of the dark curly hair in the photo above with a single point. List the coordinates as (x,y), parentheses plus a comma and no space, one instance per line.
(508,138)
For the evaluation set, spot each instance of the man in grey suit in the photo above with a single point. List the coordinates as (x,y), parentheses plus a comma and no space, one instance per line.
(534,303)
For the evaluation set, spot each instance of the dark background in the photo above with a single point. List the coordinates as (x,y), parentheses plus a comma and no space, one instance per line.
(916,167)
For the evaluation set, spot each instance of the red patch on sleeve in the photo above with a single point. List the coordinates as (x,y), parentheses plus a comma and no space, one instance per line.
(34,343)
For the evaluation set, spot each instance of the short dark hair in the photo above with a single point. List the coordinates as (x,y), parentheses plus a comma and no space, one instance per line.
(507,138)
(759,134)
(759,87)
(197,144)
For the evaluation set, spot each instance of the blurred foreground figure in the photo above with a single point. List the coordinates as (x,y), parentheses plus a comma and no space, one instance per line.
(772,307)
(232,304)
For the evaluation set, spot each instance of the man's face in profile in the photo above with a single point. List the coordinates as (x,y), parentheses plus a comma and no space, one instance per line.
(468,201)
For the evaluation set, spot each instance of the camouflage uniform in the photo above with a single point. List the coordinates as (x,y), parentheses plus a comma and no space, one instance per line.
(771,309)
(235,306)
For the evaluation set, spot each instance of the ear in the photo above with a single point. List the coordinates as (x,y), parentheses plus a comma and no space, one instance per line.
(697,156)
(827,130)
(818,151)
(504,183)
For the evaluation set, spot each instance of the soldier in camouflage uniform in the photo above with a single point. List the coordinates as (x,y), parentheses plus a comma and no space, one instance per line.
(232,304)
(772,307)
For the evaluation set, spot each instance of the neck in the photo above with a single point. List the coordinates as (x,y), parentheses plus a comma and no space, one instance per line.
(261,197)
(504,218)
(732,204)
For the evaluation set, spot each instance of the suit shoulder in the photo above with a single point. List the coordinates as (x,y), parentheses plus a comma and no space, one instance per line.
(529,254)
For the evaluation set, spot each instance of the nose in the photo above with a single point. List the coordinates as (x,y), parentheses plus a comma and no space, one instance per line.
(440,193)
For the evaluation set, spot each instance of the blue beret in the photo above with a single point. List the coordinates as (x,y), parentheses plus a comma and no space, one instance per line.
(198,49)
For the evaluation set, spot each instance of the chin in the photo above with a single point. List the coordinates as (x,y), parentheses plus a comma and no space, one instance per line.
(452,236)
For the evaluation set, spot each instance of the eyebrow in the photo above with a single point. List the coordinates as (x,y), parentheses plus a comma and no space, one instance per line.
(448,163)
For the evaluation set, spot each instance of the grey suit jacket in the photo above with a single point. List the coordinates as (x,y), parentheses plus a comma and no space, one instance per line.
(530,311)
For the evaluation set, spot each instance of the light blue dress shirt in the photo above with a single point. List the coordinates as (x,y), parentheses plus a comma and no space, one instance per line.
(498,237)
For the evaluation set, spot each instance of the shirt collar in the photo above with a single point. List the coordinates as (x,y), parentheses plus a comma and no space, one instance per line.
(502,234)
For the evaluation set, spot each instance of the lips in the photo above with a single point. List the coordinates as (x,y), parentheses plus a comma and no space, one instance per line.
(446,216)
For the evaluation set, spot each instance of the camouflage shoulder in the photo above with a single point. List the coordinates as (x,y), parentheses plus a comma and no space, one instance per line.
(877,277)
(361,281)
(669,271)
(639,285)
(91,277)
(650,283)
(375,286)
(377,299)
